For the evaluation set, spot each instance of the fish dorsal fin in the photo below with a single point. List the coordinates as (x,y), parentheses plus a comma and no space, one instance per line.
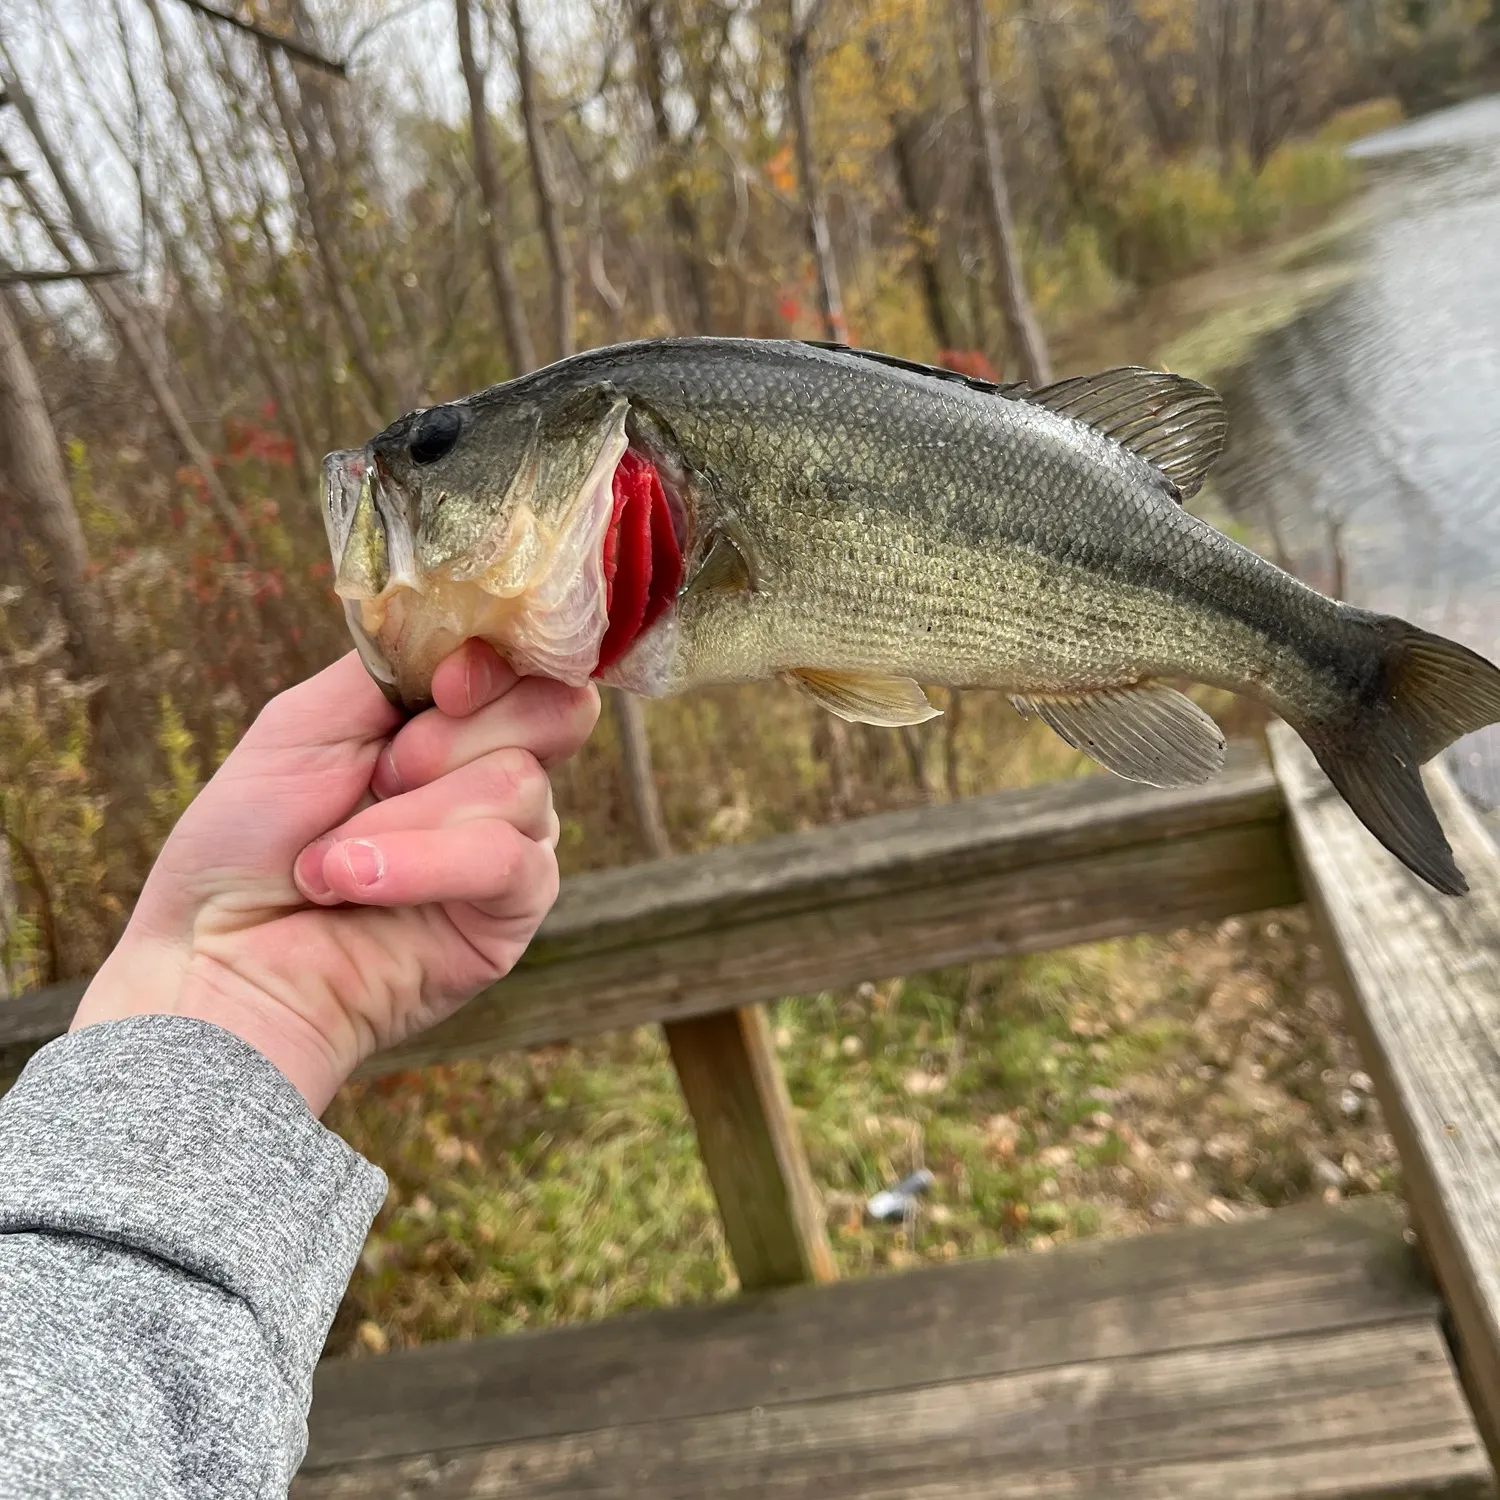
(1152,733)
(865,697)
(1014,390)
(1175,424)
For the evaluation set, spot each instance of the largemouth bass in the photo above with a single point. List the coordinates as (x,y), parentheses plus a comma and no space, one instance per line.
(689,511)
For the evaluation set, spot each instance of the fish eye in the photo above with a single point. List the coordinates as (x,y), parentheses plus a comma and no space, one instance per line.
(434,433)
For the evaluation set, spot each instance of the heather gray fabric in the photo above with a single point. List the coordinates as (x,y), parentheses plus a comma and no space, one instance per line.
(176,1230)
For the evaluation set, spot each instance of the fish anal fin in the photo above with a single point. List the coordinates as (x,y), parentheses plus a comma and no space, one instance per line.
(1177,425)
(1149,733)
(865,698)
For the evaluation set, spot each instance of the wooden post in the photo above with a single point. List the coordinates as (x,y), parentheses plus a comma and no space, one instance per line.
(750,1148)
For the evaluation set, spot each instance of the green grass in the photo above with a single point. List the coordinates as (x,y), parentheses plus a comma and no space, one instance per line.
(1103,1090)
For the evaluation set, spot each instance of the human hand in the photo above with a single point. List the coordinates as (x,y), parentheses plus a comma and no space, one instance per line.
(347,879)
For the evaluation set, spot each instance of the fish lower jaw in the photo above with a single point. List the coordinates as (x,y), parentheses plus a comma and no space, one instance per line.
(410,631)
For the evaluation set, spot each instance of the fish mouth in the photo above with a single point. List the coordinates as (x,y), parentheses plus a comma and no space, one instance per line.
(540,593)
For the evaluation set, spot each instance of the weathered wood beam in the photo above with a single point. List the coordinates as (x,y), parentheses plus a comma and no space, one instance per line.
(1298,1354)
(1018,872)
(751,1150)
(1421,974)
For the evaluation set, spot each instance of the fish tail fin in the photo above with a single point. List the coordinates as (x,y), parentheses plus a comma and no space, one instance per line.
(1428,693)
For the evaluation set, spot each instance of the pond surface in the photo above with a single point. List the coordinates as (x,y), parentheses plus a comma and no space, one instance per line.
(1369,429)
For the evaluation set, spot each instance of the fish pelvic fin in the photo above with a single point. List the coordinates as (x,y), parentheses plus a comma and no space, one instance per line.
(1149,733)
(1434,691)
(1177,425)
(864,698)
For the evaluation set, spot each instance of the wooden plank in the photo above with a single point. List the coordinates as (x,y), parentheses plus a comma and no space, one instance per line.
(1012,873)
(29,1020)
(1297,1271)
(772,1216)
(1298,1354)
(1422,974)
(1361,1412)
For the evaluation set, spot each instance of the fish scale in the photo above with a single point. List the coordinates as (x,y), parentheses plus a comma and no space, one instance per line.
(859,525)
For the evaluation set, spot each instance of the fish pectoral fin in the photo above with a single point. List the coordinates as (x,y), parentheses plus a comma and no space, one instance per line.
(1151,733)
(723,570)
(1175,424)
(863,698)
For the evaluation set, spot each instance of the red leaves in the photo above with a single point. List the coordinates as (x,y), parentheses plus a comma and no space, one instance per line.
(253,442)
(190,478)
(971,362)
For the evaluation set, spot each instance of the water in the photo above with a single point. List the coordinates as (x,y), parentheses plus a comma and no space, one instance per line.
(1370,427)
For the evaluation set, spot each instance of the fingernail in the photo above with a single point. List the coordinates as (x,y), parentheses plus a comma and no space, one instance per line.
(365,862)
(308,871)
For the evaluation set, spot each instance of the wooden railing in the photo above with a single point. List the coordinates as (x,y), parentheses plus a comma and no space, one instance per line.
(697,943)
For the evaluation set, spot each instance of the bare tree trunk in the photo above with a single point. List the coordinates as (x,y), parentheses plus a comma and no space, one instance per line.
(914,743)
(1127,50)
(1027,346)
(1259,131)
(924,240)
(609,293)
(287,406)
(559,258)
(681,214)
(830,745)
(120,313)
(640,782)
(952,750)
(10,910)
(502,269)
(335,274)
(800,92)
(32,471)
(1052,101)
(1224,86)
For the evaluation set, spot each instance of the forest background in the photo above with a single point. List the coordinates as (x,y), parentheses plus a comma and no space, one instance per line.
(233,237)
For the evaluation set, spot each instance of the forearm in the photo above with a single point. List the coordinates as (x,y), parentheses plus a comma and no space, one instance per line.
(176,1231)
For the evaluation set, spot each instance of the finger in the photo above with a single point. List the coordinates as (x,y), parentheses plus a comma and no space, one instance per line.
(548,718)
(471,677)
(507,784)
(489,863)
(338,705)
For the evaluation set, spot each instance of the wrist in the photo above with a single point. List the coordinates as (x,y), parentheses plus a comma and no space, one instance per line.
(146,977)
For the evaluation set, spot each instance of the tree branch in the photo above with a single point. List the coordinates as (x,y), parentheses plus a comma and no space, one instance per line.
(287,45)
(23,277)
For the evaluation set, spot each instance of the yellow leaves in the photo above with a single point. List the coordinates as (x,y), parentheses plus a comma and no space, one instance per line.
(184,777)
(1171,29)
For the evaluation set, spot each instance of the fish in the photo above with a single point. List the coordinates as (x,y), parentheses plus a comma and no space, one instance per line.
(672,513)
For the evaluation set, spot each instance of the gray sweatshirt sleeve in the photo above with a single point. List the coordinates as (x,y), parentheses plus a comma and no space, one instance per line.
(176,1231)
